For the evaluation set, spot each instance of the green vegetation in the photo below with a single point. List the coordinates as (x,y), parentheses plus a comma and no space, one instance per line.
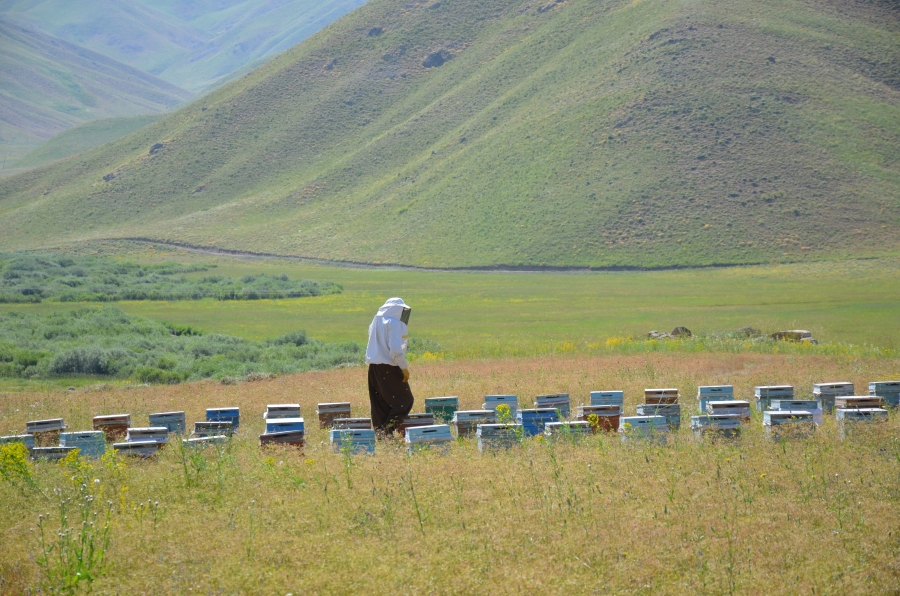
(593,133)
(83,137)
(54,278)
(48,85)
(107,343)
(753,516)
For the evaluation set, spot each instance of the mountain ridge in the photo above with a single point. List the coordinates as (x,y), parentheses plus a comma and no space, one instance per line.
(610,134)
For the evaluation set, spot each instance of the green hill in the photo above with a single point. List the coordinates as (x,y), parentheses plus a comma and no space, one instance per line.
(502,132)
(48,85)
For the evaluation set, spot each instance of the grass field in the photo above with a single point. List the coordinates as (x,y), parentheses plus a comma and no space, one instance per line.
(814,516)
(594,133)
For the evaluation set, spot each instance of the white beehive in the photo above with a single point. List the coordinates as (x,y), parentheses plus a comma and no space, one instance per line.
(465,422)
(159,434)
(671,412)
(41,426)
(498,436)
(766,393)
(848,418)
(137,448)
(434,436)
(733,407)
(717,425)
(826,392)
(492,401)
(567,430)
(211,429)
(788,423)
(808,405)
(554,401)
(357,423)
(609,398)
(51,453)
(888,390)
(282,411)
(643,427)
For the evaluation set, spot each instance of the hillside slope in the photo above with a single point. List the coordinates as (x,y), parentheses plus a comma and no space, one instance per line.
(48,85)
(582,132)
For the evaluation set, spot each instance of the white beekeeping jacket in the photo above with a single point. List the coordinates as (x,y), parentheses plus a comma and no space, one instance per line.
(388,335)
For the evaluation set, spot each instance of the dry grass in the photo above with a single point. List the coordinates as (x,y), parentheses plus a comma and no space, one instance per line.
(813,516)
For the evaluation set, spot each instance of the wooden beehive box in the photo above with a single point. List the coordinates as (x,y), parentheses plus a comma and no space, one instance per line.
(661,396)
(327,412)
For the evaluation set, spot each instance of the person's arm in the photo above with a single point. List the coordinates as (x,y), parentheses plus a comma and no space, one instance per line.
(397,341)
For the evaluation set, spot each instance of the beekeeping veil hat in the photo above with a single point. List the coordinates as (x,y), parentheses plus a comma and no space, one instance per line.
(395,308)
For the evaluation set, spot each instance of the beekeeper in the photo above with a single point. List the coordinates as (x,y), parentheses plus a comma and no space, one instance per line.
(389,391)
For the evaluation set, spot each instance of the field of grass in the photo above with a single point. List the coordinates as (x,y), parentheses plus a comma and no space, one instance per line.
(814,516)
(591,134)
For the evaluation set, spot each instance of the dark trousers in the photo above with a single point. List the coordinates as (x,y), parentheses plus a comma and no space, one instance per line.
(391,398)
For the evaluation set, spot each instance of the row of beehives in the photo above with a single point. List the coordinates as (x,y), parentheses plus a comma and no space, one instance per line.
(48,439)
(660,413)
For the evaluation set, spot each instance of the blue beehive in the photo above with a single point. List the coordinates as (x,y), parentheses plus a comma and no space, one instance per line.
(533,420)
(174,422)
(232,415)
(498,436)
(609,398)
(492,401)
(556,401)
(706,393)
(644,427)
(671,412)
(351,440)
(90,443)
(280,425)
(27,440)
(889,391)
(717,425)
(442,408)
(765,393)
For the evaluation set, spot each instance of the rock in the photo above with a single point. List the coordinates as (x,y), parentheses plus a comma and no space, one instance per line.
(681,332)
(436,58)
(794,335)
(375,31)
(750,332)
(155,148)
(109,177)
(658,335)
(809,340)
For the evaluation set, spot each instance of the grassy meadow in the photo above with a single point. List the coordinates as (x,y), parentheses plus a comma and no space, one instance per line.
(815,516)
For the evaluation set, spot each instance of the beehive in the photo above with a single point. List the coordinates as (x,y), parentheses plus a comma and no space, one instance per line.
(159,434)
(498,436)
(41,426)
(413,420)
(175,422)
(442,408)
(671,412)
(808,405)
(706,393)
(644,427)
(607,415)
(733,407)
(282,411)
(351,440)
(327,412)
(280,425)
(51,453)
(887,390)
(142,449)
(90,443)
(826,392)
(27,440)
(435,436)
(661,396)
(211,429)
(230,414)
(533,420)
(204,440)
(609,398)
(292,438)
(766,393)
(858,401)
(492,401)
(465,422)
(114,425)
(788,423)
(555,401)
(848,418)
(357,423)
(717,426)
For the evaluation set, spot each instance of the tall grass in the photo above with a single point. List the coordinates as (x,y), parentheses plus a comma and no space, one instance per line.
(752,516)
